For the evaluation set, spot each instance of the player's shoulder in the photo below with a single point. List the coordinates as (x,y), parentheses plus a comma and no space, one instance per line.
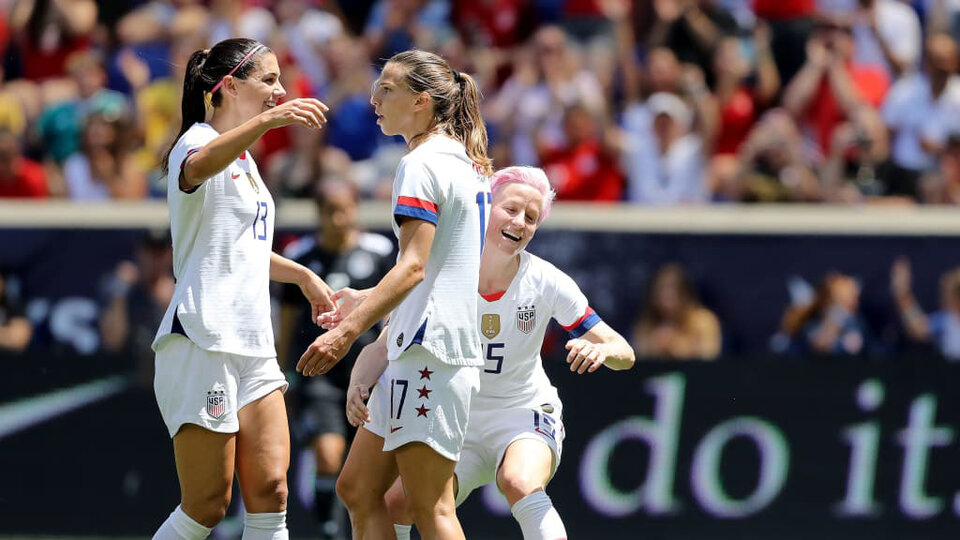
(198,133)
(375,243)
(300,247)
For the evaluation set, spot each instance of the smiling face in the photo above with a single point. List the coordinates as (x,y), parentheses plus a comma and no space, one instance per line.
(261,89)
(394,102)
(514,218)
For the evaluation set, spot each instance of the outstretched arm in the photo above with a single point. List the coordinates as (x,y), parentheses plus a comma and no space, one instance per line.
(601,345)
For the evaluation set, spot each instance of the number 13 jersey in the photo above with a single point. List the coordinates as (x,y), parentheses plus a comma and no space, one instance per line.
(222,234)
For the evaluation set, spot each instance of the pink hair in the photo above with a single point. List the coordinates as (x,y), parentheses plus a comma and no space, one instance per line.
(528,176)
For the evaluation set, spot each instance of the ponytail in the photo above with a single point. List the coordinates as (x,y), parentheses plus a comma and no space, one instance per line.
(468,126)
(193,106)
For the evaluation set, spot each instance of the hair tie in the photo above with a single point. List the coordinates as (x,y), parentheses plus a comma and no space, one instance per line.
(236,67)
(457,77)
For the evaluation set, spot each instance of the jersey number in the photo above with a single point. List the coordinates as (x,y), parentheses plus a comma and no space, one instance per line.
(261,217)
(394,383)
(484,198)
(491,350)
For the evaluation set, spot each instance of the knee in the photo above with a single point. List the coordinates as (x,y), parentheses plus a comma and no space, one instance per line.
(516,486)
(269,494)
(397,505)
(208,507)
(349,492)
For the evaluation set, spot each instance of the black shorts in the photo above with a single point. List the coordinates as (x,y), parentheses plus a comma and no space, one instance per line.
(320,409)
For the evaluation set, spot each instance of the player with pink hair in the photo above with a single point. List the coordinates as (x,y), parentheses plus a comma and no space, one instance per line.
(515,429)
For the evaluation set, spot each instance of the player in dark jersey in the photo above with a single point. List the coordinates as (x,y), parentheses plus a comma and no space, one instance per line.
(344,257)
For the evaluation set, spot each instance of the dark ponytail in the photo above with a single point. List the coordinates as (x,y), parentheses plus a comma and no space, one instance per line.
(205,69)
(456,101)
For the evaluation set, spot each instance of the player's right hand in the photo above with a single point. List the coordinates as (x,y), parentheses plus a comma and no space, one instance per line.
(346,300)
(303,111)
(357,412)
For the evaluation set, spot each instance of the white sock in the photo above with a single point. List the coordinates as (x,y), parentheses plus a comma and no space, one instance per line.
(180,526)
(538,518)
(266,526)
(403,531)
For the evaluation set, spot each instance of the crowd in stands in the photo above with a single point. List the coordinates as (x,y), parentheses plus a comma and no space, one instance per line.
(653,102)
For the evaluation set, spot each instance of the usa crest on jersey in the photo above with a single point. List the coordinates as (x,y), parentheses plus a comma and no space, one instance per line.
(217,402)
(526,318)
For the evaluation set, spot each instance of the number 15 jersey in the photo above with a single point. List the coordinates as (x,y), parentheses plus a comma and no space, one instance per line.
(512,326)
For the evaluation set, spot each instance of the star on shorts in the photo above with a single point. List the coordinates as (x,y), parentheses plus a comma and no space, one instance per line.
(425,373)
(424,392)
(422,411)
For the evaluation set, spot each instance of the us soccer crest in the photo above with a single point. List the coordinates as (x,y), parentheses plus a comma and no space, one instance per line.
(526,318)
(490,325)
(217,402)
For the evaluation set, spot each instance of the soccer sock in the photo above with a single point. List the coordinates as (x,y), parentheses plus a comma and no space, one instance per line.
(538,518)
(180,526)
(403,531)
(265,526)
(324,496)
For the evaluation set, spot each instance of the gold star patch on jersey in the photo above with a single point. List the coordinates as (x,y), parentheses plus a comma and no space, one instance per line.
(490,325)
(526,318)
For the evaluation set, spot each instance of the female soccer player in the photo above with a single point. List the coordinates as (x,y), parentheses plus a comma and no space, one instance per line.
(515,432)
(217,381)
(439,206)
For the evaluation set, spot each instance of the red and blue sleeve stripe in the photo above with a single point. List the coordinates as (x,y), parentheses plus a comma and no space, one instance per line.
(583,324)
(412,207)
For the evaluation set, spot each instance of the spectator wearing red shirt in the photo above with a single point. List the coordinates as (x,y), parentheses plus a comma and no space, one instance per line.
(49,32)
(583,169)
(19,176)
(740,101)
(829,88)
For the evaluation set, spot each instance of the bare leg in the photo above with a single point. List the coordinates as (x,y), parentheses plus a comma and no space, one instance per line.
(366,476)
(428,481)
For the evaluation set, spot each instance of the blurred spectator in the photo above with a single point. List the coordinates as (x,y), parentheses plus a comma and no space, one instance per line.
(583,169)
(135,297)
(941,328)
(353,122)
(49,32)
(830,323)
(771,166)
(307,29)
(232,18)
(105,168)
(15,329)
(665,144)
(858,147)
(19,176)
(673,323)
(830,87)
(692,29)
(918,112)
(791,23)
(942,186)
(60,124)
(398,25)
(344,257)
(887,35)
(742,90)
(547,78)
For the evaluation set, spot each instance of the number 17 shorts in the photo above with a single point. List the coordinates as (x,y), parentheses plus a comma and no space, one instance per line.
(420,399)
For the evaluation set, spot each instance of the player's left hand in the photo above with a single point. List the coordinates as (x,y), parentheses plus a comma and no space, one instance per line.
(324,353)
(345,301)
(585,356)
(320,296)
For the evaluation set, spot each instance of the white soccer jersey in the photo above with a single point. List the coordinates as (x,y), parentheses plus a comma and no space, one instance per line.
(437,182)
(512,326)
(222,238)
